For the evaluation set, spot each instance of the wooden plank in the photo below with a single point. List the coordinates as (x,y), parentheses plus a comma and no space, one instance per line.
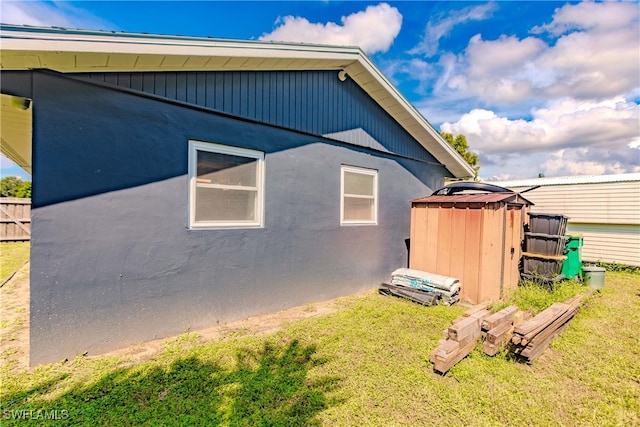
(491,252)
(467,329)
(572,306)
(490,349)
(503,316)
(541,320)
(15,201)
(520,317)
(478,311)
(458,242)
(556,324)
(530,346)
(533,352)
(497,334)
(417,251)
(445,235)
(14,219)
(443,364)
(481,315)
(470,279)
(475,309)
(447,347)
(432,249)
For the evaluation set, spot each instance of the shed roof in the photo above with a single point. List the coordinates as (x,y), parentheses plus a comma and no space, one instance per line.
(66,51)
(478,198)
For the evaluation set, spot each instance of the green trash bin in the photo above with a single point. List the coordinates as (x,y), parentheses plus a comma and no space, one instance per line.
(572,266)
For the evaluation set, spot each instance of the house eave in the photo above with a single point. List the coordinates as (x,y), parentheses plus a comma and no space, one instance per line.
(67,51)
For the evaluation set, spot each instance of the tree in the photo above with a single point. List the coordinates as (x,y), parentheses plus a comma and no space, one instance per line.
(12,186)
(25,190)
(460,144)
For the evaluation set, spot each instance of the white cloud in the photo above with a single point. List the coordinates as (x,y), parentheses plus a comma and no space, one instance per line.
(500,71)
(440,28)
(373,29)
(593,65)
(45,14)
(563,123)
(594,54)
(560,101)
(586,135)
(601,17)
(586,161)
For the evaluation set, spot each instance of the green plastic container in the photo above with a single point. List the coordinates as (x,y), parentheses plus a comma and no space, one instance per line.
(572,266)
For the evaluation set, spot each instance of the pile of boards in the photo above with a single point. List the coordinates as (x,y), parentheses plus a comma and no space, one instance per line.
(525,336)
(531,338)
(459,339)
(422,287)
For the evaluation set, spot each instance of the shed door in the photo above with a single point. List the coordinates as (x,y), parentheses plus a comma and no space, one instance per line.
(513,246)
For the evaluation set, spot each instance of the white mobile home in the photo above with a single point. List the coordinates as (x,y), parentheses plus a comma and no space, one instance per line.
(605,209)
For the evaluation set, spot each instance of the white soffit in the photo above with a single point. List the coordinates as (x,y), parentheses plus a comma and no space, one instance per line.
(65,51)
(15,127)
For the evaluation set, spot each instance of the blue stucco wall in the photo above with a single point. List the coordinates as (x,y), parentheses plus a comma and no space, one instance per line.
(112,260)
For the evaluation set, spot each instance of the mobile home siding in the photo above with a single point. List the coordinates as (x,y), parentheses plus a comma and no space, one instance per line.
(291,99)
(606,213)
(113,262)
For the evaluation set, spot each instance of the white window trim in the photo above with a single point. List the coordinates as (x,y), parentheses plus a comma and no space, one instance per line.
(364,171)
(194,147)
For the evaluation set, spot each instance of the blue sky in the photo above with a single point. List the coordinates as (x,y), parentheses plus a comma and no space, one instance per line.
(536,86)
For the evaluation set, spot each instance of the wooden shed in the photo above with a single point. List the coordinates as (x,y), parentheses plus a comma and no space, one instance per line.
(475,238)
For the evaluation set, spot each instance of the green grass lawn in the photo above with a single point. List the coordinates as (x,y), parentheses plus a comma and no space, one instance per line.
(13,255)
(365,365)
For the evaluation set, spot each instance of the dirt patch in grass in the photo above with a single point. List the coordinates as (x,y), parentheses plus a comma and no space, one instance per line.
(14,326)
(14,322)
(253,326)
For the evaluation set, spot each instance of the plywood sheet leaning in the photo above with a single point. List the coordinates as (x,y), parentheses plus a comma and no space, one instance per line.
(460,338)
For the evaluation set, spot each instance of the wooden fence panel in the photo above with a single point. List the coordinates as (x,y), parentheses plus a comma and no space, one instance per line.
(15,219)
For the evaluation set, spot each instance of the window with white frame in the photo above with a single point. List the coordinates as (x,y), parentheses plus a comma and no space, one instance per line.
(359,196)
(226,186)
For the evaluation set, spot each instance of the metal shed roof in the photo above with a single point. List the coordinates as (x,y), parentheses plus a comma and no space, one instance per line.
(66,51)
(475,198)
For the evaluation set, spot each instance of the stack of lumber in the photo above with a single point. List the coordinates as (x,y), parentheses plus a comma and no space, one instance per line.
(446,288)
(459,339)
(498,328)
(532,338)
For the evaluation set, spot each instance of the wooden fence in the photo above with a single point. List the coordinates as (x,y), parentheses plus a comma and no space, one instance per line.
(15,219)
